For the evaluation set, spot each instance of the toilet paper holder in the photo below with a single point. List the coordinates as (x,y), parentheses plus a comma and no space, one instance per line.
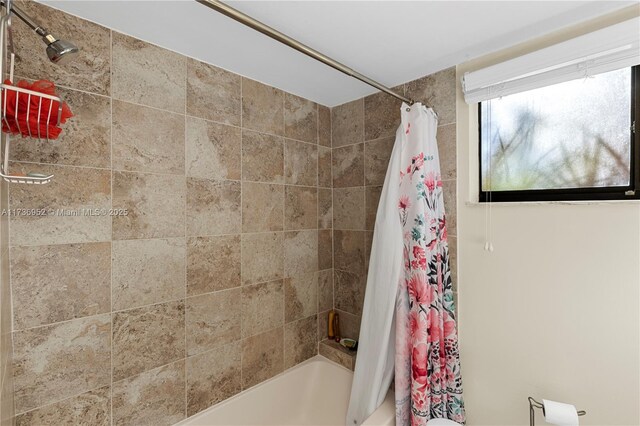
(533,404)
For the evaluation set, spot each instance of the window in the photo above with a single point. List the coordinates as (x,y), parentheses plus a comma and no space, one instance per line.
(569,141)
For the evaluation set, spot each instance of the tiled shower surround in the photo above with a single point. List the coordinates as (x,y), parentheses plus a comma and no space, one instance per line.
(363,133)
(213,280)
(222,272)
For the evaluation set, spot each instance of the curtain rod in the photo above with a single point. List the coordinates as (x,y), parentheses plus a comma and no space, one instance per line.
(247,20)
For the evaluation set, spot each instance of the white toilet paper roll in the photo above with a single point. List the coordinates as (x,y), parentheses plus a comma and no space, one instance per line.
(558,413)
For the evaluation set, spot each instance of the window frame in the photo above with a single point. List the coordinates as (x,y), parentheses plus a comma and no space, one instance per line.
(630,192)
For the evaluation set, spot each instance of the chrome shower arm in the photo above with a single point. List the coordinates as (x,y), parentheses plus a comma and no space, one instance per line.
(58,51)
(41,31)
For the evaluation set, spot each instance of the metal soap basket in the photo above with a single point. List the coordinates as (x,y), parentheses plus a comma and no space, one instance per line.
(37,97)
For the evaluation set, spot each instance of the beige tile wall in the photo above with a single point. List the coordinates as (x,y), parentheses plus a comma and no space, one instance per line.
(213,281)
(363,134)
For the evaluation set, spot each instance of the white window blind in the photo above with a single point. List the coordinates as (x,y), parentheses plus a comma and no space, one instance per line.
(608,49)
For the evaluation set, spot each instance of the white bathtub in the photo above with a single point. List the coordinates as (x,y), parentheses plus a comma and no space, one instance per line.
(315,392)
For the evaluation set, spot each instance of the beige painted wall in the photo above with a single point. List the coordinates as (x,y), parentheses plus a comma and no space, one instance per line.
(553,312)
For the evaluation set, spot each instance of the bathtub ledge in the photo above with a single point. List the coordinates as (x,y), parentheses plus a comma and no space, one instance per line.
(337,353)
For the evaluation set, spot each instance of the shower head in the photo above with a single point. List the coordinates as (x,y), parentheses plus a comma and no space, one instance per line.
(59,51)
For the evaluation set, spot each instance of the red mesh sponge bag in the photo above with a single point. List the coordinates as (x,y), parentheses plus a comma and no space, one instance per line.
(31,108)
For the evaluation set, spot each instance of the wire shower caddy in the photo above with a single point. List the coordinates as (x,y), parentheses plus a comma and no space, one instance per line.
(40,100)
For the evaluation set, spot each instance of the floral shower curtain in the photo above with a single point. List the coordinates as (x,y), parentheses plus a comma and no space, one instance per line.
(408,326)
(427,363)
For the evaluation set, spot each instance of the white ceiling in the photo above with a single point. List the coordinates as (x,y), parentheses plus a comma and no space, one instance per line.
(389,41)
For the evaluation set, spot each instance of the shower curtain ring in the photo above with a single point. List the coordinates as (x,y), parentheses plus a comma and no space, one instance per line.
(411,102)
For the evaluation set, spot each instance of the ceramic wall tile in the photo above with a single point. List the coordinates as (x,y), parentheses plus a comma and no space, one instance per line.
(262,307)
(325,208)
(450,205)
(381,114)
(372,199)
(300,252)
(155,397)
(325,290)
(146,74)
(146,338)
(300,118)
(262,357)
(213,93)
(59,283)
(154,204)
(262,207)
(437,91)
(300,341)
(213,150)
(147,139)
(325,178)
(262,107)
(301,296)
(301,163)
(88,71)
(89,408)
(324,125)
(58,361)
(376,160)
(349,250)
(212,377)
(349,208)
(301,207)
(67,203)
(213,320)
(446,137)
(349,291)
(212,207)
(347,123)
(262,157)
(323,320)
(262,257)
(147,272)
(349,324)
(213,263)
(85,139)
(325,249)
(348,166)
